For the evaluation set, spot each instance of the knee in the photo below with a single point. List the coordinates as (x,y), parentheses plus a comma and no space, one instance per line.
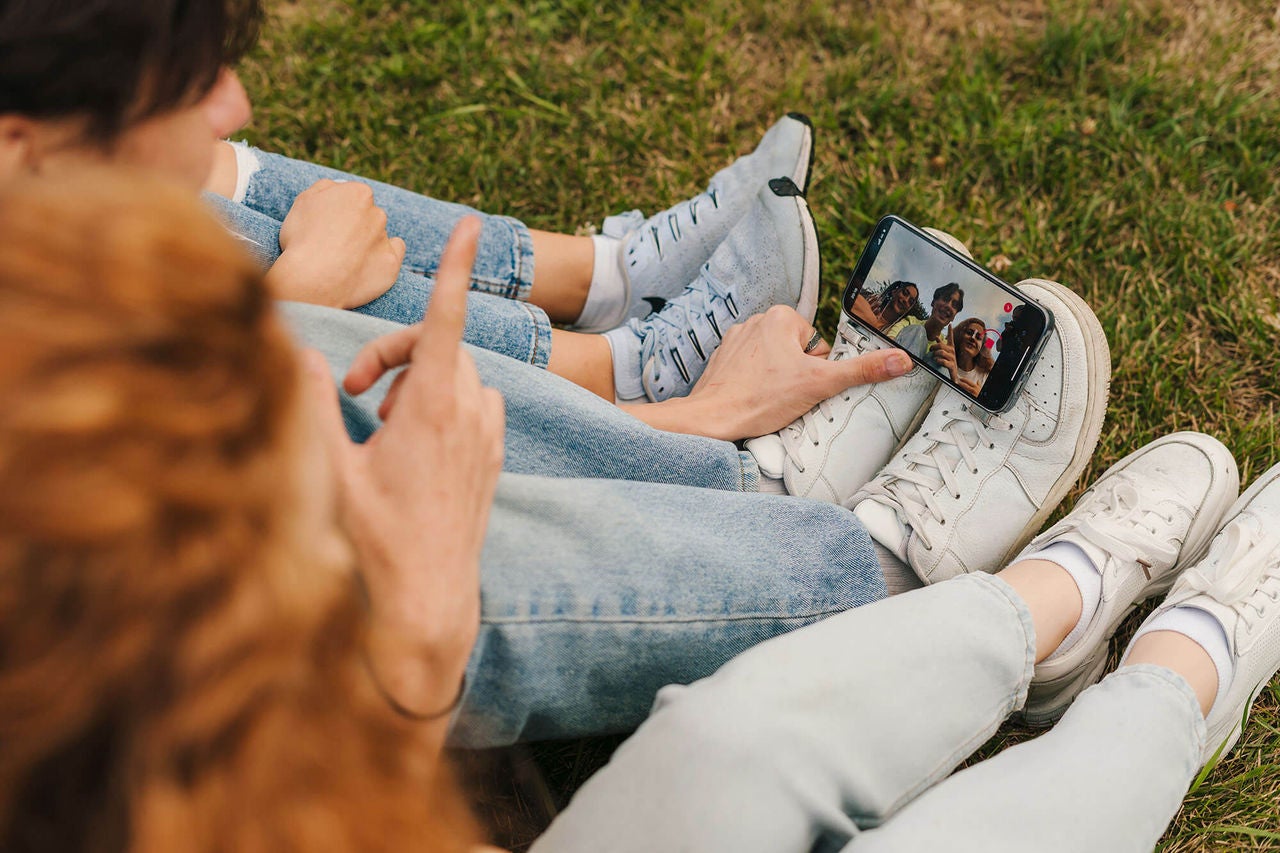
(713,722)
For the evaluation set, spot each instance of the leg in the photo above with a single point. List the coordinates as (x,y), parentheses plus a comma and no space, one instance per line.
(1110,776)
(802,745)
(514,329)
(554,428)
(504,265)
(807,737)
(595,594)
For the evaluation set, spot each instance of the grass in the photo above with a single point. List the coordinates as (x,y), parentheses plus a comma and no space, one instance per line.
(1127,149)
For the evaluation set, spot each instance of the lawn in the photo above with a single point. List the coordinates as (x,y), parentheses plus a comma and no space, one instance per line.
(1126,149)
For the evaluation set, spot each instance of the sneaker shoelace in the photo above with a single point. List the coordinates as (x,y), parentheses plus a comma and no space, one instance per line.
(1249,580)
(663,228)
(926,474)
(848,344)
(1113,514)
(689,327)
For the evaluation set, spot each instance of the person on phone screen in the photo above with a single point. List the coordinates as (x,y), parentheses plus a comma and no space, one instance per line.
(973,359)
(929,340)
(892,309)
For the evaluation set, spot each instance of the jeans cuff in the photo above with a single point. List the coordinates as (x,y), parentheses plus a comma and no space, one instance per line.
(1179,689)
(1000,587)
(519,282)
(540,340)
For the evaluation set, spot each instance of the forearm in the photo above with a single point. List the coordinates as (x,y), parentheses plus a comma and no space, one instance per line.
(689,415)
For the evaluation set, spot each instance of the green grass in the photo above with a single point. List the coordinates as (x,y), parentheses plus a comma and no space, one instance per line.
(1127,149)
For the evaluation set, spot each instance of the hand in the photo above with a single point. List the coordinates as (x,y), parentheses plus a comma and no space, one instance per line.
(415,498)
(969,386)
(944,355)
(335,249)
(760,379)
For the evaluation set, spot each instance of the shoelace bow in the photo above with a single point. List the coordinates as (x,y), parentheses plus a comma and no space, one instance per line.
(1249,577)
(848,344)
(927,473)
(1119,509)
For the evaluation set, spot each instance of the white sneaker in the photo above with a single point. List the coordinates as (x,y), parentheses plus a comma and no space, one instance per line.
(1238,583)
(1151,514)
(967,491)
(832,451)
(662,254)
(769,258)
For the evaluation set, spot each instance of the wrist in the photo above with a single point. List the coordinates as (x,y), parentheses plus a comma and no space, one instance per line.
(690,415)
(420,678)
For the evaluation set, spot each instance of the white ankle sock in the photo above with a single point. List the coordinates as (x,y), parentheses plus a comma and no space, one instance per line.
(1202,627)
(889,539)
(1084,571)
(625,346)
(606,304)
(882,522)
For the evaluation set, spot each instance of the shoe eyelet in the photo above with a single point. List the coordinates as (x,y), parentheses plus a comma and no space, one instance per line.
(991,446)
(957,497)
(831,420)
(975,470)
(798,468)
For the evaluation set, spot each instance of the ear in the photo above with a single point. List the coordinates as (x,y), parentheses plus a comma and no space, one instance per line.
(17,145)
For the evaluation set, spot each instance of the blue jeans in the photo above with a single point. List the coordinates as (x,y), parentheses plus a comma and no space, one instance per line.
(619,558)
(842,735)
(498,317)
(554,428)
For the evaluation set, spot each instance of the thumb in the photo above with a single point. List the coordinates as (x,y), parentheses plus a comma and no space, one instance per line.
(878,366)
(322,396)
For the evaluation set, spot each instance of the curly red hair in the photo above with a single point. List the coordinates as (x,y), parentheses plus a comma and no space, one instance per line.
(176,671)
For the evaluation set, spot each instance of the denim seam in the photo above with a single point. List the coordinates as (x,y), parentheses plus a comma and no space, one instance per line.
(746,481)
(657,620)
(540,342)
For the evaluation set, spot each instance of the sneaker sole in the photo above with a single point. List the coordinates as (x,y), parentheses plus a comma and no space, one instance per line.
(811,276)
(1054,697)
(804,166)
(1212,752)
(1098,353)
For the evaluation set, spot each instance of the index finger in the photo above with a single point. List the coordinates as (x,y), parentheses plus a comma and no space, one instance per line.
(447,314)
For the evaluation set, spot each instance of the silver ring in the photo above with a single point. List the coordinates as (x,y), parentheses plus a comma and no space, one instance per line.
(813,341)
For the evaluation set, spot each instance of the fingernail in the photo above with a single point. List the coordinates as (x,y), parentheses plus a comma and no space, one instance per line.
(898,363)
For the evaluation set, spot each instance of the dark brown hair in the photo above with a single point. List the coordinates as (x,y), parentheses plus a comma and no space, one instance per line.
(116,62)
(179,666)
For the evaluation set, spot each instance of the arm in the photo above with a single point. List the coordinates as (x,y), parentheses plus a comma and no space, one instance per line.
(863,311)
(415,501)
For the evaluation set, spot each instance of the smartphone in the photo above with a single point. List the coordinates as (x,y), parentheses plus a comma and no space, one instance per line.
(976,333)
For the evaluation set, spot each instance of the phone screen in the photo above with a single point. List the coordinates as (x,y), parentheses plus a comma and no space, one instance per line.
(975,332)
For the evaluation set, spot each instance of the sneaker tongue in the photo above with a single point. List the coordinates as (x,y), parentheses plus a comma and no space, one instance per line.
(884,526)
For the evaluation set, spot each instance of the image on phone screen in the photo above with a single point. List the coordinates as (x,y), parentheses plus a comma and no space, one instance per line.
(975,332)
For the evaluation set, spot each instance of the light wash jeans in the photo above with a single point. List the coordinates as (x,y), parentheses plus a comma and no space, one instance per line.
(498,317)
(597,592)
(554,428)
(841,736)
